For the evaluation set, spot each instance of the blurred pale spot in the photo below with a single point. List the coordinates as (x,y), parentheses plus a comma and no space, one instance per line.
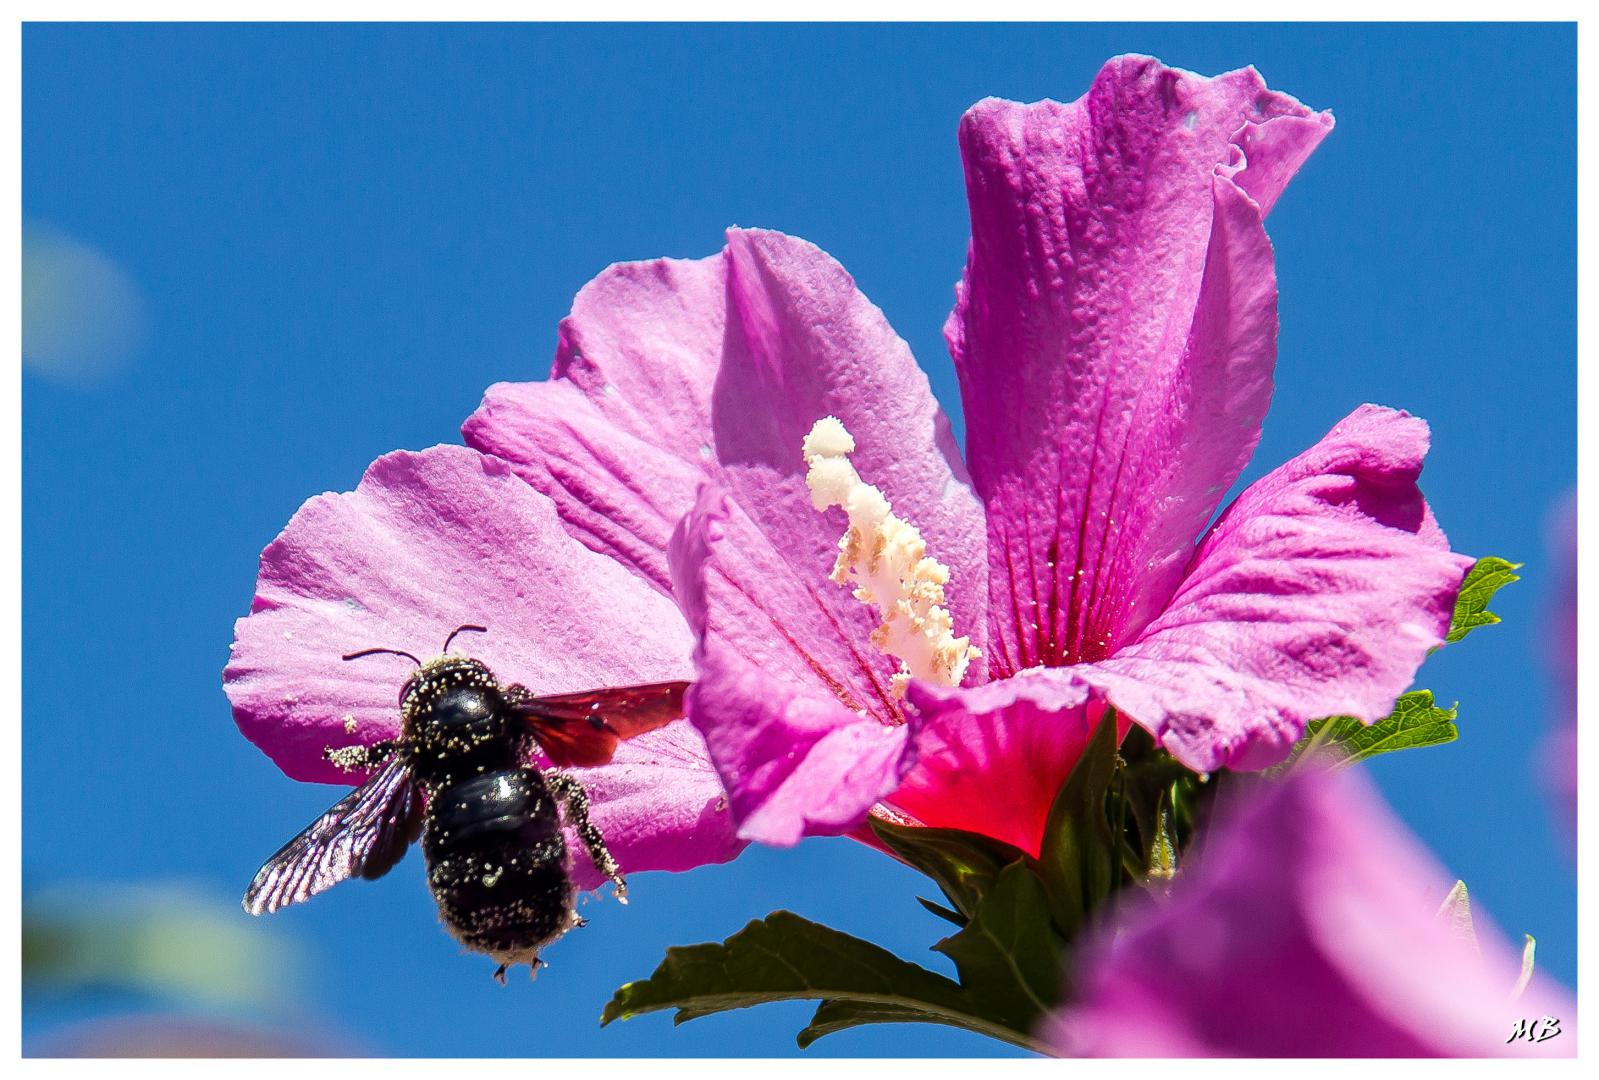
(82,317)
(160,938)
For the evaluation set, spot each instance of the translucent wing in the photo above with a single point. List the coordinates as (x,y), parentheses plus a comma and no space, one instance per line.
(363,835)
(583,729)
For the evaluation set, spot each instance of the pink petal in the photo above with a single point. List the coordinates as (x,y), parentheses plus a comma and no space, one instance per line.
(1115,335)
(620,435)
(795,761)
(1318,593)
(430,541)
(991,761)
(670,373)
(1307,927)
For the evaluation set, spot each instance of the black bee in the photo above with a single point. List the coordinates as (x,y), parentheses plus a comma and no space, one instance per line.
(459,778)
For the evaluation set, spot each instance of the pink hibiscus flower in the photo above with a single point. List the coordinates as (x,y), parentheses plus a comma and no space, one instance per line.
(1114,336)
(1312,923)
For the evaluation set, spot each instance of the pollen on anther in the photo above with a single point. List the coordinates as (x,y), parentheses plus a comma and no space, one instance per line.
(883,559)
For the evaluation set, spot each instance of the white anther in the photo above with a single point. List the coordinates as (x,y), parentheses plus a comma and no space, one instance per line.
(883,559)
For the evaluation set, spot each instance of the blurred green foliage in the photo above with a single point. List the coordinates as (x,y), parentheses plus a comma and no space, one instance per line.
(164,939)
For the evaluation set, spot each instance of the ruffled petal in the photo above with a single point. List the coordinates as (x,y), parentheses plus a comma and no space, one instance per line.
(1114,335)
(795,761)
(619,436)
(429,541)
(670,373)
(1318,593)
(1308,927)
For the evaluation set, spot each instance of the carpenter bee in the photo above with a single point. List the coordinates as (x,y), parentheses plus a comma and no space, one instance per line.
(459,778)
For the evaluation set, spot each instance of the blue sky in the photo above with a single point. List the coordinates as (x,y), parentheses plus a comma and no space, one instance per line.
(341,235)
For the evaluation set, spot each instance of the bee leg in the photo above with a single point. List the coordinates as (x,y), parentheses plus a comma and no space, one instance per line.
(575,804)
(361,758)
(499,974)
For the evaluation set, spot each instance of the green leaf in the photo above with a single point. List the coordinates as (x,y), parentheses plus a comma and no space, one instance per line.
(942,912)
(963,864)
(778,958)
(834,1016)
(1471,606)
(1343,740)
(784,958)
(1009,955)
(1079,857)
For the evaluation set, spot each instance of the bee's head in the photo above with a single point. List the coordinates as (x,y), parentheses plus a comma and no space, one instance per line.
(453,707)
(441,674)
(443,671)
(450,705)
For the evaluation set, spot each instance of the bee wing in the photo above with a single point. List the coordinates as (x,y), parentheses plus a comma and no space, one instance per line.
(363,835)
(583,729)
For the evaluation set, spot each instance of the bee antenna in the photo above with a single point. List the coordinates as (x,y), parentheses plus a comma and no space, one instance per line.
(459,629)
(373,652)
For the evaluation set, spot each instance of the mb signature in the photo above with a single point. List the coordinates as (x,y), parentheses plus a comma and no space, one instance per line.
(1535,1031)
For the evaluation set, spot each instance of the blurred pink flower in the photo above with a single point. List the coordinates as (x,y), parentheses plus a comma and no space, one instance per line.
(1114,335)
(1308,926)
(1560,747)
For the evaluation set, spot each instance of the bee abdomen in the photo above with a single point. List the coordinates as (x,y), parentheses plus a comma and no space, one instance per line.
(497,862)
